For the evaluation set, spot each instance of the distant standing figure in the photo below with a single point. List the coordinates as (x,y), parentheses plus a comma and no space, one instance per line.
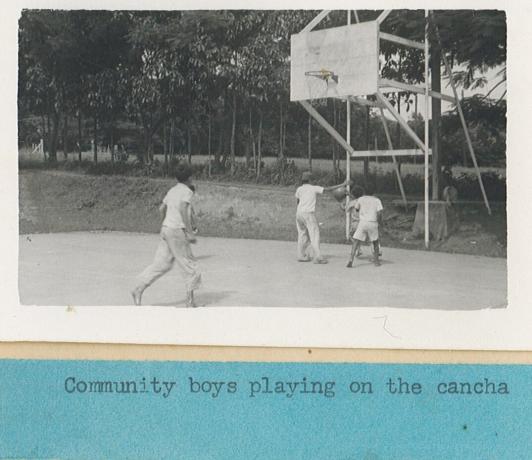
(449,193)
(369,210)
(308,231)
(176,237)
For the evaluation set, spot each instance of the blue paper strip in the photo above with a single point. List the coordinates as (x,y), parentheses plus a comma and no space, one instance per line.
(74,410)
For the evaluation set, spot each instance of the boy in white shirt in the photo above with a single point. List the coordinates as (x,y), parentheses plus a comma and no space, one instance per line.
(370,216)
(308,230)
(355,193)
(176,236)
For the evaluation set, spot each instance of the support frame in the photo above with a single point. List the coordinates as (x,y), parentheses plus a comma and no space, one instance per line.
(382,103)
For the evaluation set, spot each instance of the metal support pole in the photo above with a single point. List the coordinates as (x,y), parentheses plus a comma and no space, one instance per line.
(347,154)
(395,165)
(427,234)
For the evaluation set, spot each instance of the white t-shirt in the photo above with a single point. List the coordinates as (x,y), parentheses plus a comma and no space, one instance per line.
(351,209)
(174,198)
(306,194)
(368,207)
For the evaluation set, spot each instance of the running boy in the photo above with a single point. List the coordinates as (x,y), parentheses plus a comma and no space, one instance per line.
(370,214)
(308,231)
(174,244)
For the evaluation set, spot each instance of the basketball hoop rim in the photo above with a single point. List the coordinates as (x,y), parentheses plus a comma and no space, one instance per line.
(322,74)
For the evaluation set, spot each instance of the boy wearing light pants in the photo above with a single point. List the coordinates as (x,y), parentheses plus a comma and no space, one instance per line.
(175,239)
(308,230)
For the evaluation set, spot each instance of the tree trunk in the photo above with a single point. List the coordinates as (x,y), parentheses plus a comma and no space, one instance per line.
(309,142)
(285,121)
(189,143)
(52,155)
(80,140)
(112,140)
(251,144)
(95,143)
(415,110)
(43,126)
(435,71)
(209,137)
(280,153)
(233,135)
(171,145)
(209,141)
(259,146)
(65,133)
(219,149)
(47,137)
(149,150)
(145,158)
(165,147)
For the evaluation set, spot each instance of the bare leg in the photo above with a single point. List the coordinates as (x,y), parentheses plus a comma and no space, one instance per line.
(190,303)
(137,295)
(376,250)
(354,249)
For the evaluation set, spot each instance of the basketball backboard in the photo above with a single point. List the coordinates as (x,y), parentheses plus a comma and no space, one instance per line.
(335,62)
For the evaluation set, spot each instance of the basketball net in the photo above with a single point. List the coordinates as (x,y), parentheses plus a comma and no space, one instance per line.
(321,84)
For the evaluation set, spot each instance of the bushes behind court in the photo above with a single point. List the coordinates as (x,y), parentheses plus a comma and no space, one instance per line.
(285,174)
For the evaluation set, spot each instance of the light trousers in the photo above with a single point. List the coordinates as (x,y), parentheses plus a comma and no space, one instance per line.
(173,247)
(308,233)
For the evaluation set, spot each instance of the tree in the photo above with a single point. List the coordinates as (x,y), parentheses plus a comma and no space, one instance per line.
(59,50)
(475,41)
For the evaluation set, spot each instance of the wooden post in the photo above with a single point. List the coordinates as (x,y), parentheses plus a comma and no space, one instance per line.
(395,166)
(427,234)
(462,119)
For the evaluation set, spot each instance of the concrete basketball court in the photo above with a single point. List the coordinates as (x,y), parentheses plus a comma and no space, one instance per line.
(91,268)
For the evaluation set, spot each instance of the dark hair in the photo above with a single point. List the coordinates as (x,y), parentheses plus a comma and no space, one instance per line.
(356,191)
(369,187)
(183,172)
(192,187)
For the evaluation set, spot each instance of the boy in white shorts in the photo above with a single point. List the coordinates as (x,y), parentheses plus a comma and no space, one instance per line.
(369,210)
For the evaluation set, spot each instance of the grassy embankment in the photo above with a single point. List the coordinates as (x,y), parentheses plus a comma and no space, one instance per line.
(57,201)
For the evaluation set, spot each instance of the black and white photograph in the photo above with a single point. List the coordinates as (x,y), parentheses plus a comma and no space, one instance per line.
(299,159)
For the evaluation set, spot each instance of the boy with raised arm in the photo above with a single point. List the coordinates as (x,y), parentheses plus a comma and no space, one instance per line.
(175,238)
(308,230)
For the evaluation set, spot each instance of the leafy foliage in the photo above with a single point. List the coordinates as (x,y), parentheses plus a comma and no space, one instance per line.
(221,77)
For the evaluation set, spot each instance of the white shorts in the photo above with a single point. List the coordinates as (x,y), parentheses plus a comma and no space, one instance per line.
(367,229)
